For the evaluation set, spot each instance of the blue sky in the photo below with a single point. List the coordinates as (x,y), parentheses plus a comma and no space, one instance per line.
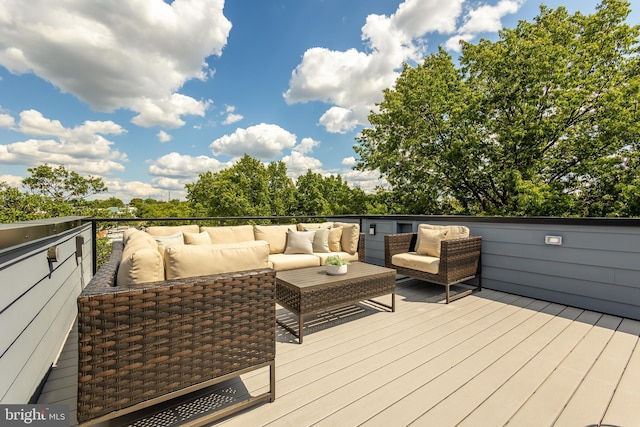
(148,94)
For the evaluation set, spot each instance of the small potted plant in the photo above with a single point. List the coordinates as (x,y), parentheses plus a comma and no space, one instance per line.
(336,265)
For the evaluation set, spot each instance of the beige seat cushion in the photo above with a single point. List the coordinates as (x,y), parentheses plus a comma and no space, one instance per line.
(429,241)
(202,238)
(230,233)
(350,236)
(276,235)
(299,242)
(282,262)
(345,255)
(168,230)
(414,261)
(200,260)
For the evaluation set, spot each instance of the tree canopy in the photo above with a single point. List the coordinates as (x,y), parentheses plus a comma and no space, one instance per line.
(52,192)
(543,121)
(251,188)
(61,184)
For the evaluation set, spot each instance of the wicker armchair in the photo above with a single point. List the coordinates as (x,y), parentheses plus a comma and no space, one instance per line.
(460,260)
(145,344)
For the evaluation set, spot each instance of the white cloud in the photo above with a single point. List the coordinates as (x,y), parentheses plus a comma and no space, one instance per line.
(453,43)
(82,149)
(365,180)
(484,19)
(167,111)
(127,190)
(12,180)
(306,145)
(354,81)
(143,51)
(7,121)
(163,137)
(264,141)
(298,164)
(177,165)
(349,161)
(339,120)
(231,116)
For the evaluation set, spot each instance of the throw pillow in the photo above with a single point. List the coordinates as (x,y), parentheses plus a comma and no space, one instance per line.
(320,240)
(335,235)
(197,238)
(430,242)
(164,241)
(299,242)
(350,237)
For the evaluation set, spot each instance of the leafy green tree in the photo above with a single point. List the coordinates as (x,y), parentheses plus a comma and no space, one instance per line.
(136,202)
(62,185)
(111,202)
(170,209)
(311,200)
(18,206)
(241,190)
(283,193)
(543,121)
(330,195)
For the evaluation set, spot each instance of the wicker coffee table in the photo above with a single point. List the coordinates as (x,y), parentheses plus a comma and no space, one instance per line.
(307,291)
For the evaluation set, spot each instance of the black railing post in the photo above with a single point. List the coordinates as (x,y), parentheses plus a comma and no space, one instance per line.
(94,244)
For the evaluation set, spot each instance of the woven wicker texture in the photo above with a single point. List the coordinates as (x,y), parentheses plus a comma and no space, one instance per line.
(459,259)
(143,342)
(311,290)
(341,293)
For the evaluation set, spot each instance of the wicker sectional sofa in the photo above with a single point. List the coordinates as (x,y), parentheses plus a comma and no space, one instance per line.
(287,247)
(143,341)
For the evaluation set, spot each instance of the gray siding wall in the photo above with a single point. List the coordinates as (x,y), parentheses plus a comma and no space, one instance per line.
(38,307)
(597,267)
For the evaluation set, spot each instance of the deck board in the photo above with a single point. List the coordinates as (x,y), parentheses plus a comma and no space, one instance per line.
(623,409)
(490,358)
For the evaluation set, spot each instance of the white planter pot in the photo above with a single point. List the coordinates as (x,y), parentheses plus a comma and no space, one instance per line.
(336,270)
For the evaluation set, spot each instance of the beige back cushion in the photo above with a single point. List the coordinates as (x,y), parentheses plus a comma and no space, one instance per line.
(139,235)
(168,230)
(200,260)
(350,236)
(313,225)
(429,241)
(127,233)
(276,235)
(229,233)
(141,262)
(452,231)
(335,236)
(197,238)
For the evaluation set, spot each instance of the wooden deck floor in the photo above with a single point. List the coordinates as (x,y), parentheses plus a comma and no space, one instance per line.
(485,360)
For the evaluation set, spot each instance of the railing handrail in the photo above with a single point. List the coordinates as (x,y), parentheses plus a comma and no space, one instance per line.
(18,233)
